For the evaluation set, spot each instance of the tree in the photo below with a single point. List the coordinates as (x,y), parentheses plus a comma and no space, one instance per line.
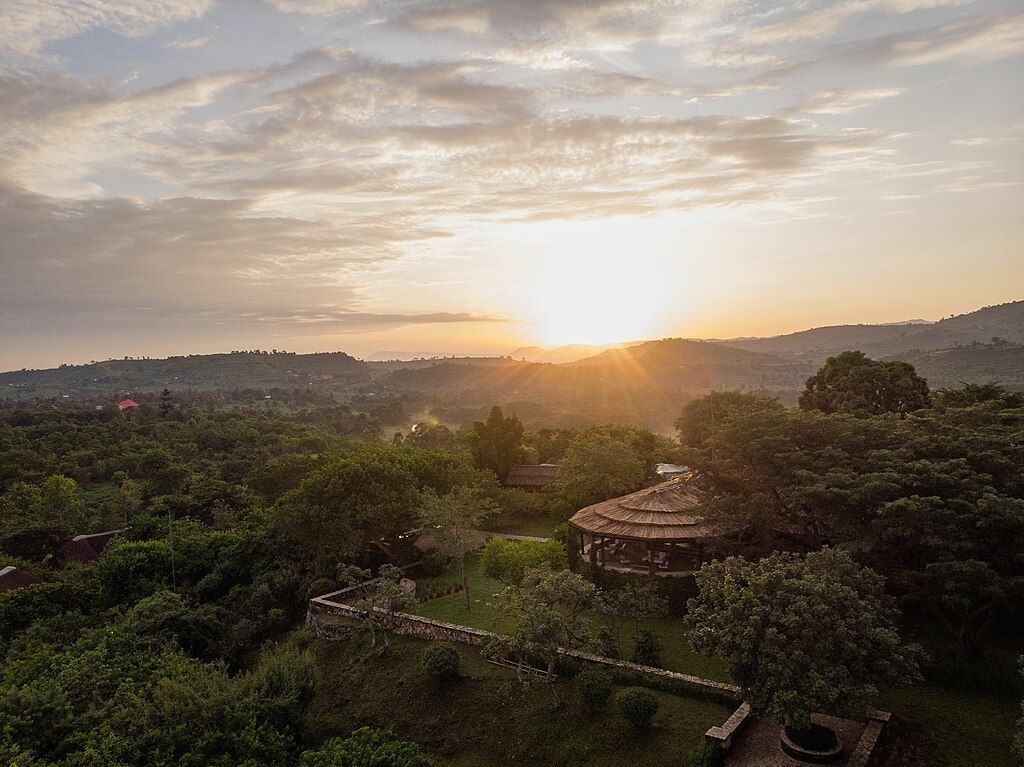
(366,747)
(440,661)
(61,503)
(497,443)
(853,382)
(637,600)
(549,611)
(595,467)
(595,687)
(451,522)
(379,599)
(127,499)
(801,634)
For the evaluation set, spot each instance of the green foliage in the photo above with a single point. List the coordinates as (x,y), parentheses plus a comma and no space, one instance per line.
(20,608)
(852,382)
(131,570)
(451,521)
(647,650)
(441,662)
(366,747)
(638,706)
(801,634)
(706,754)
(508,560)
(497,443)
(595,687)
(596,466)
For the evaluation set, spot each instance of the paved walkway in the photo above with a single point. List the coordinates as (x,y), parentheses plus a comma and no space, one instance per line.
(757,744)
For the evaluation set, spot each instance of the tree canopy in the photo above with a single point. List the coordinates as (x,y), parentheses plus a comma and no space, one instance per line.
(853,382)
(801,634)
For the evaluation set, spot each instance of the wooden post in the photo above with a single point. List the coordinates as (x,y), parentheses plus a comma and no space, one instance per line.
(650,555)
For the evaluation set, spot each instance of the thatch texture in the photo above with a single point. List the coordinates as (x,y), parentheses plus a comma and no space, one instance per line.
(87,548)
(531,477)
(665,512)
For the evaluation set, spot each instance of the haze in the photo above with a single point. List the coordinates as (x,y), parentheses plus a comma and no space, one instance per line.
(194,176)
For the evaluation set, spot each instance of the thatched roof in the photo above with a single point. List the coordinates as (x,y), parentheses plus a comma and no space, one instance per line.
(531,477)
(13,578)
(87,548)
(665,512)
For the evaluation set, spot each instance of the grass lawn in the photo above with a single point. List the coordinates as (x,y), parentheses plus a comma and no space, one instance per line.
(536,523)
(676,652)
(958,727)
(487,717)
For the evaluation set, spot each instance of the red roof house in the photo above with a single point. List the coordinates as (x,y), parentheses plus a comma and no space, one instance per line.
(125,404)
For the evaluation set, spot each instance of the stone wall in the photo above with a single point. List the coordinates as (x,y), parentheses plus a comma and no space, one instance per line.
(427,628)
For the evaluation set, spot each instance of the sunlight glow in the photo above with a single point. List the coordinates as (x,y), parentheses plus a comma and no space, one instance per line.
(601,287)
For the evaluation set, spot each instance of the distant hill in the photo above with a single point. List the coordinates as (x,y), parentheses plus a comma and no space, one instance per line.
(562,354)
(206,372)
(1004,321)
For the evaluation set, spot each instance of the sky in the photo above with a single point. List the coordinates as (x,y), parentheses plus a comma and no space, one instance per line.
(194,176)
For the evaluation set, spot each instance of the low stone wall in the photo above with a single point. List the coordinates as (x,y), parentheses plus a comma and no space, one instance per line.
(722,735)
(406,624)
(861,755)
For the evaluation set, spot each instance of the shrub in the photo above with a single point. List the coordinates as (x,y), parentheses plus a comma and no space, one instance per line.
(608,643)
(441,662)
(595,686)
(706,755)
(509,560)
(366,747)
(647,650)
(638,706)
(434,563)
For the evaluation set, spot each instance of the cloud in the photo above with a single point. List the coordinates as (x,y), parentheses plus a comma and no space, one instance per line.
(973,40)
(197,42)
(28,25)
(837,101)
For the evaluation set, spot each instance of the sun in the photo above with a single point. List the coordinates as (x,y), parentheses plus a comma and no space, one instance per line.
(599,297)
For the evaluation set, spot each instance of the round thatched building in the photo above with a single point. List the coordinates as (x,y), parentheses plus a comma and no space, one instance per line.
(655,530)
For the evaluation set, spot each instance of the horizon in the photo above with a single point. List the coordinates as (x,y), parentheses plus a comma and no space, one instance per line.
(412,354)
(194,176)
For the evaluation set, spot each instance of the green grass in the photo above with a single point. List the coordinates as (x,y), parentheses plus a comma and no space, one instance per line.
(535,523)
(677,655)
(957,727)
(487,717)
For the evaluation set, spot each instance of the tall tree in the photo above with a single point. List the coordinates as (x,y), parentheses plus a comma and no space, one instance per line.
(549,609)
(451,521)
(497,443)
(596,467)
(801,634)
(853,382)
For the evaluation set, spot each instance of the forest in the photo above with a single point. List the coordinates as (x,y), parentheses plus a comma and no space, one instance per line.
(184,642)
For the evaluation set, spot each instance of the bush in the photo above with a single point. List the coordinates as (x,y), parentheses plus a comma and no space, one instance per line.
(638,706)
(706,755)
(366,747)
(434,563)
(647,651)
(608,643)
(509,560)
(441,662)
(595,686)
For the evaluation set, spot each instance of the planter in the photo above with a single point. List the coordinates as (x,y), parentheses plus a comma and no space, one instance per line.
(823,746)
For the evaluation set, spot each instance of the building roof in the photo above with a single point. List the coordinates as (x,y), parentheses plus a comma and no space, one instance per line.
(531,477)
(13,578)
(665,512)
(87,548)
(126,403)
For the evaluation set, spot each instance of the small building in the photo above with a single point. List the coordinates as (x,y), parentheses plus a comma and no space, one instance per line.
(125,404)
(87,548)
(657,530)
(534,479)
(12,578)
(668,471)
